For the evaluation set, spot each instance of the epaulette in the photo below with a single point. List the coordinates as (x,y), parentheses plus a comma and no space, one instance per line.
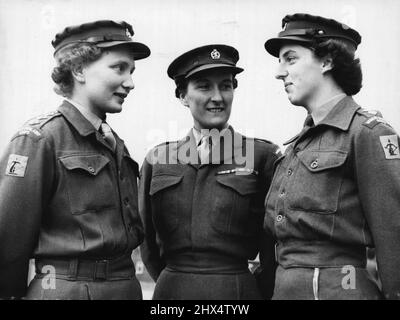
(42,119)
(277,150)
(263,140)
(165,143)
(374,117)
(33,126)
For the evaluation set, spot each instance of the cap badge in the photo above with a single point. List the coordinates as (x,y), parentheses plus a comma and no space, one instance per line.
(128,34)
(215,54)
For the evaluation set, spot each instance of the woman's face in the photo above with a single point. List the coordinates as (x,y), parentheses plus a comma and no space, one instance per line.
(108,80)
(209,98)
(301,73)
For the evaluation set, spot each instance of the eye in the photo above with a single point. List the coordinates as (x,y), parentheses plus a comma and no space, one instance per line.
(119,67)
(227,86)
(291,59)
(203,86)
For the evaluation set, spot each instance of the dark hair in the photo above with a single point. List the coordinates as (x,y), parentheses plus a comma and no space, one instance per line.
(69,58)
(182,84)
(346,69)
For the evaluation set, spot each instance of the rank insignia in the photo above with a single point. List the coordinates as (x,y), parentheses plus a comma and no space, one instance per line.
(390,145)
(16,165)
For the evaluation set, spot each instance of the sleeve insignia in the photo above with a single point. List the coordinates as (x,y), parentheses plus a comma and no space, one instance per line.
(390,145)
(16,165)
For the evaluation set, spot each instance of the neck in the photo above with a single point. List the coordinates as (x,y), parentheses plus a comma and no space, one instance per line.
(82,99)
(327,91)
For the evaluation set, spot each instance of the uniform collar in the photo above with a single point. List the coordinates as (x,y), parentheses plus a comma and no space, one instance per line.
(322,111)
(199,135)
(76,118)
(340,116)
(236,138)
(90,116)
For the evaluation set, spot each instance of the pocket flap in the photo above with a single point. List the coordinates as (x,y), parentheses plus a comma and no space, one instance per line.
(92,164)
(243,184)
(316,161)
(161,182)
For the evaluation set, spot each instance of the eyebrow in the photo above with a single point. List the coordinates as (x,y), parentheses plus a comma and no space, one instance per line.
(125,62)
(287,53)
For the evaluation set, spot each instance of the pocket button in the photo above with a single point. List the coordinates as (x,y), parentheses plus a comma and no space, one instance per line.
(91,169)
(314,164)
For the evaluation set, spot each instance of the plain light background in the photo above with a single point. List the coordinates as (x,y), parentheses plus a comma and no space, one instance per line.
(151,114)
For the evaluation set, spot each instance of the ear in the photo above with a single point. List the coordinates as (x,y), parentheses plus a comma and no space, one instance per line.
(78,73)
(182,98)
(327,64)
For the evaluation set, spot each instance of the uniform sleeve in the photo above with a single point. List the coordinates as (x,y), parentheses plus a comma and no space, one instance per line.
(265,273)
(26,175)
(377,165)
(150,251)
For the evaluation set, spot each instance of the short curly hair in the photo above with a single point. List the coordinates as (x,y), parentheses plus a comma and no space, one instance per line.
(69,58)
(346,69)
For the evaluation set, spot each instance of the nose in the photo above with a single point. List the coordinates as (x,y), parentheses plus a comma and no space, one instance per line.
(281,72)
(216,96)
(128,83)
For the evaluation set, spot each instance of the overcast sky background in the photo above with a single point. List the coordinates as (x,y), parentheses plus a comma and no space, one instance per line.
(151,114)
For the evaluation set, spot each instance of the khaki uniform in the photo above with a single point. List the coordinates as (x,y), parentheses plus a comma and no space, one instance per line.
(204,221)
(67,200)
(336,191)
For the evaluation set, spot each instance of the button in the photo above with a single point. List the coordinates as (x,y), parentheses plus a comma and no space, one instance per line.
(130,228)
(126,201)
(279,217)
(314,164)
(290,171)
(121,176)
(282,194)
(91,169)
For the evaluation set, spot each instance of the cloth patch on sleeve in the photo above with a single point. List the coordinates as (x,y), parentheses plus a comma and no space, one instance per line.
(390,145)
(16,165)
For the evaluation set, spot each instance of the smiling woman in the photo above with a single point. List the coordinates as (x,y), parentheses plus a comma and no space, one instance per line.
(202,218)
(71,179)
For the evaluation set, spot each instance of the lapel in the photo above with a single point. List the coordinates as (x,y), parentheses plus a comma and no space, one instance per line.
(80,123)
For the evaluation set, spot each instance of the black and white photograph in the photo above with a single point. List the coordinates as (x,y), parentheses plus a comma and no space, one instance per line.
(203,151)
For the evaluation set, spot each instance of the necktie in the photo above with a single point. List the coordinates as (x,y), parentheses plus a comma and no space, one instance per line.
(107,134)
(203,149)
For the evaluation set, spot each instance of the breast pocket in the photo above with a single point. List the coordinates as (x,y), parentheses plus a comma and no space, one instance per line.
(233,212)
(88,182)
(164,193)
(317,181)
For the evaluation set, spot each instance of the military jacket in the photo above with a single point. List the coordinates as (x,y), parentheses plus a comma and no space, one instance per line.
(336,191)
(206,218)
(64,193)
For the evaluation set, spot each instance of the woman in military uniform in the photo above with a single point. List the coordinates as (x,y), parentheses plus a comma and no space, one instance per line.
(200,200)
(336,189)
(68,187)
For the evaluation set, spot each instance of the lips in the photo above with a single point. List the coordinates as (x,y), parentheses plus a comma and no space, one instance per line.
(121,95)
(287,84)
(215,110)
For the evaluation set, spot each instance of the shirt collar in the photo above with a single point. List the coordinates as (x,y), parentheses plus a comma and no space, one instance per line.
(90,116)
(199,134)
(321,112)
